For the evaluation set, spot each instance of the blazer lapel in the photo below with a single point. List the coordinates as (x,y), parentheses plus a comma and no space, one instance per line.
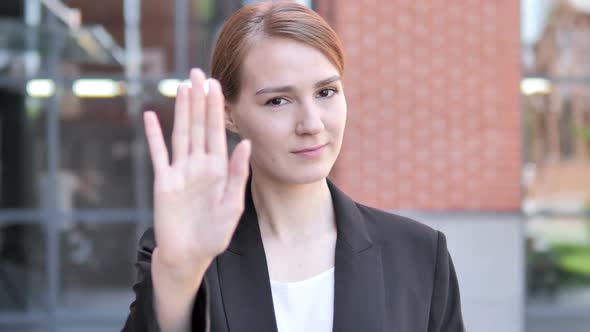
(359,299)
(243,277)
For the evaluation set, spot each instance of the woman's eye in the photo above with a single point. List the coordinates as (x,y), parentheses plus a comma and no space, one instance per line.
(326,93)
(275,102)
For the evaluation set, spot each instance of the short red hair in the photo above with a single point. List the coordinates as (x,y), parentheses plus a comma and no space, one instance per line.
(285,19)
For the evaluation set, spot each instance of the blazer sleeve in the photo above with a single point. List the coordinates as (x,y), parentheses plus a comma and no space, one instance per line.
(445,310)
(142,316)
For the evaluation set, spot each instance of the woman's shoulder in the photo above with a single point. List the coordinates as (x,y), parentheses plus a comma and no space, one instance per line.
(387,227)
(147,242)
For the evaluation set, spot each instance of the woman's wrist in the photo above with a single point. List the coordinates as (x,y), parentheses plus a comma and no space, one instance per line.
(174,293)
(182,277)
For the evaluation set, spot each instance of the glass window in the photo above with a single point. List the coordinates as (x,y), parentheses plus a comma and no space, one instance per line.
(21,150)
(97,268)
(23,267)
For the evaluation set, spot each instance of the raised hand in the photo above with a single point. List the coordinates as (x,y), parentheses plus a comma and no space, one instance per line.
(199,195)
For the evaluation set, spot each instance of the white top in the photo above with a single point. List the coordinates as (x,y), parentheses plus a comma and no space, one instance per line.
(306,305)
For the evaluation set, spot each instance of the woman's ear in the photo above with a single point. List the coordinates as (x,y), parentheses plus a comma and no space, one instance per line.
(229,121)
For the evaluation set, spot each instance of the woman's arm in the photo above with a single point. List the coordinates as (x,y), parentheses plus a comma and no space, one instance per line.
(198,201)
(445,309)
(191,309)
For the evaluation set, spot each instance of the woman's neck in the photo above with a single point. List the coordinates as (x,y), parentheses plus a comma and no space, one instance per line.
(290,212)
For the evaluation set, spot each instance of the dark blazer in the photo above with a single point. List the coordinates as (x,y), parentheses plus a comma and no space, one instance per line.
(391,274)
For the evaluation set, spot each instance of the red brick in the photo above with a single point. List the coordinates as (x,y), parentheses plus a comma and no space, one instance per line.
(444,120)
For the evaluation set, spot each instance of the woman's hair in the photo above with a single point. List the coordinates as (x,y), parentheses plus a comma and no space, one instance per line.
(284,19)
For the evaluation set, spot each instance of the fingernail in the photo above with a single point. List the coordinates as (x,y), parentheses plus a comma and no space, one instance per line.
(206,86)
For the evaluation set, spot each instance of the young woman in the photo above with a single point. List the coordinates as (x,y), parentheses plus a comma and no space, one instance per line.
(264,241)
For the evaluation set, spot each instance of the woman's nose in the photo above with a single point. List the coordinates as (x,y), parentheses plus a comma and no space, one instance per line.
(309,121)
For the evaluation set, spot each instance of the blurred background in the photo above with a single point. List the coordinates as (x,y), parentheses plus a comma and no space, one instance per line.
(471,116)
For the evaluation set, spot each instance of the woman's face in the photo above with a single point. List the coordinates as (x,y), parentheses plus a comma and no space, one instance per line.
(291,99)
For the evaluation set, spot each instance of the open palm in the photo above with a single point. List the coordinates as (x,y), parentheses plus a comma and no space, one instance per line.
(199,195)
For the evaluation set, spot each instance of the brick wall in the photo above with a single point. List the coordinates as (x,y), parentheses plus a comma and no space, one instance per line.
(433,96)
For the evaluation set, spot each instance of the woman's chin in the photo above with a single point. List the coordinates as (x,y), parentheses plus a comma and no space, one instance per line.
(288,172)
(306,174)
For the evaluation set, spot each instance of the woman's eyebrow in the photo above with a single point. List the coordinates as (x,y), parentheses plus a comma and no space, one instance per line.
(327,81)
(289,88)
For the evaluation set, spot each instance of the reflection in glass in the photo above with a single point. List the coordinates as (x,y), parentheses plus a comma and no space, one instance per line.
(22,267)
(96,165)
(20,150)
(97,268)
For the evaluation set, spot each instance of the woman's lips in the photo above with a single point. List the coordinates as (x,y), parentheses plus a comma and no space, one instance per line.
(311,152)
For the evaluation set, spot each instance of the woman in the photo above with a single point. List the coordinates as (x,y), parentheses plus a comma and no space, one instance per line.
(283,249)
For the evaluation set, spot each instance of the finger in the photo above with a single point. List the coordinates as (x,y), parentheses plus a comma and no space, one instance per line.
(180,133)
(238,173)
(197,113)
(216,140)
(158,150)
